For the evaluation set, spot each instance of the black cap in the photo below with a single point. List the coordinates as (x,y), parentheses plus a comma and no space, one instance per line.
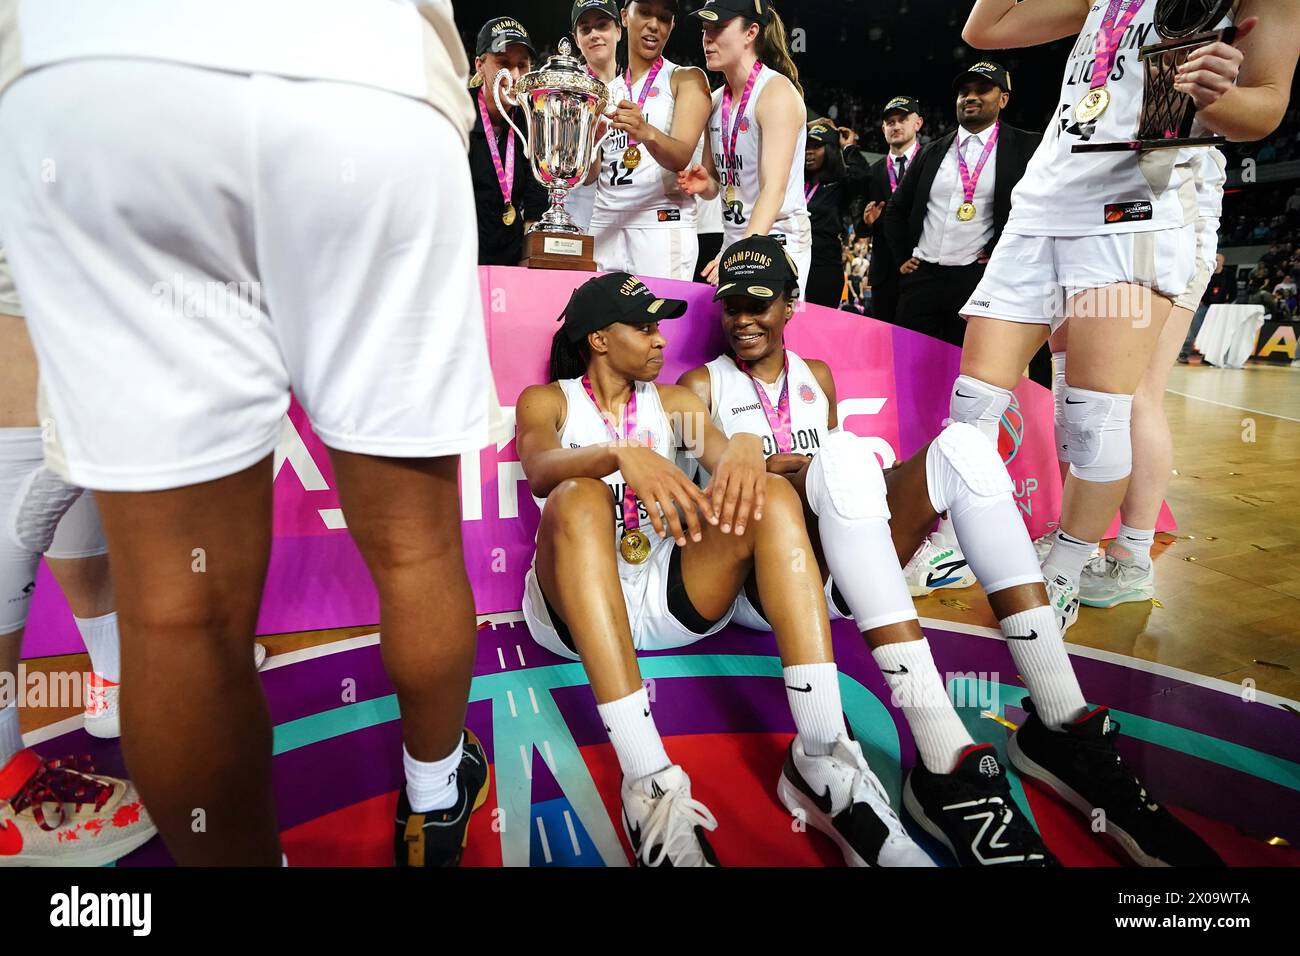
(615,297)
(607,7)
(720,11)
(994,73)
(499,33)
(823,131)
(900,104)
(757,266)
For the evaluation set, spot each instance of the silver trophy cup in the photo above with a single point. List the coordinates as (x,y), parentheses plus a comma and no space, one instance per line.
(563,105)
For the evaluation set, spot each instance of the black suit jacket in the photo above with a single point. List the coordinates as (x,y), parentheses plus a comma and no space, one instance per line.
(884,264)
(904,217)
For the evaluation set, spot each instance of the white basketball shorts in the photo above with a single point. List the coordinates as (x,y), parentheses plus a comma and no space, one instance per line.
(1030,278)
(662,251)
(192,244)
(1207,251)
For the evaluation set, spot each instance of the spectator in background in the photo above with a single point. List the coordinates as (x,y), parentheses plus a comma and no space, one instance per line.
(506,194)
(901,122)
(833,177)
(1293,209)
(951,207)
(1222,290)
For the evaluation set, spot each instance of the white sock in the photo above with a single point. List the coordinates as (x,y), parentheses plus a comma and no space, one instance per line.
(1044,665)
(918,690)
(431,785)
(1133,546)
(100,637)
(818,715)
(945,535)
(635,737)
(11,738)
(1067,557)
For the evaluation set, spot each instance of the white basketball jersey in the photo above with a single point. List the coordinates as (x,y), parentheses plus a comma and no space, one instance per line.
(1064,193)
(585,426)
(1211,169)
(792,226)
(647,195)
(738,411)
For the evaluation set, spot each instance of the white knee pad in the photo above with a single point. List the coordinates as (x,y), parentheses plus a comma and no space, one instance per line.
(980,404)
(1058,400)
(41,499)
(1099,445)
(845,480)
(961,454)
(79,534)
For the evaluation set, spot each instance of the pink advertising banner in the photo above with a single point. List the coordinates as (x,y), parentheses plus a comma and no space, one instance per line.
(892,387)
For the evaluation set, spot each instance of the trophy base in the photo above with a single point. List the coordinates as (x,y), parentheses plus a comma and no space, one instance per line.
(1135,145)
(559,250)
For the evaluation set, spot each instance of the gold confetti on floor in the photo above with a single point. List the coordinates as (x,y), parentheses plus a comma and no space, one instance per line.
(954,604)
(1155,602)
(996,718)
(1269,664)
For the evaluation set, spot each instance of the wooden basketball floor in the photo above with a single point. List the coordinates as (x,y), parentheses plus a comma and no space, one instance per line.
(1228,589)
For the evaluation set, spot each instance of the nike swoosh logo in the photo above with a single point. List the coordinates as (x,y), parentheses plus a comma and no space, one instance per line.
(1031,636)
(960,395)
(801,690)
(647,713)
(901,670)
(1068,402)
(1066,537)
(943,574)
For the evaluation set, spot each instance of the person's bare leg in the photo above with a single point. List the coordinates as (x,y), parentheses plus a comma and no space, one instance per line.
(1109,353)
(404,515)
(189,566)
(997,352)
(577,568)
(86,584)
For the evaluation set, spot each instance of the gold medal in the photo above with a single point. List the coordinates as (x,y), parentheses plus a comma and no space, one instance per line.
(508,217)
(966,211)
(632,157)
(1093,105)
(731,194)
(634,547)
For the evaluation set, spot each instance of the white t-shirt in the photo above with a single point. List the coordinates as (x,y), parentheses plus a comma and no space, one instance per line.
(945,239)
(648,195)
(1064,193)
(792,225)
(410,47)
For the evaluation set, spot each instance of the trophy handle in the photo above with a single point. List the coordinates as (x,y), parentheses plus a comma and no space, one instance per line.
(503,78)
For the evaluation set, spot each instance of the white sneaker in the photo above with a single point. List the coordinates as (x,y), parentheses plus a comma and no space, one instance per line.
(101,718)
(259,655)
(663,824)
(1108,582)
(840,796)
(1064,598)
(937,566)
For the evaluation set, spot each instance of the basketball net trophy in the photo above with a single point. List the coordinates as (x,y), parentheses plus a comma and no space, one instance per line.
(562,108)
(1167,115)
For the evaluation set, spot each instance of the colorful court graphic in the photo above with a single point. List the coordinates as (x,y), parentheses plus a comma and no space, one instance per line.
(1228,766)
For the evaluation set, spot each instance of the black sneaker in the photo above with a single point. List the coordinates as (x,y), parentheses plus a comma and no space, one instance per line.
(437,838)
(1080,763)
(972,813)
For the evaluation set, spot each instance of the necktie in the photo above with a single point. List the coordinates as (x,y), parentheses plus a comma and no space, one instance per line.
(901,163)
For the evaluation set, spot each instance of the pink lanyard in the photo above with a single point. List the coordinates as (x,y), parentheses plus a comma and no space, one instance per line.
(892,167)
(809,193)
(506,173)
(730,133)
(645,90)
(1111,31)
(970,180)
(778,419)
(631,514)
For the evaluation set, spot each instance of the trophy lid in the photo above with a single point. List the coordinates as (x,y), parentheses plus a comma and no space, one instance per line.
(564,59)
(564,72)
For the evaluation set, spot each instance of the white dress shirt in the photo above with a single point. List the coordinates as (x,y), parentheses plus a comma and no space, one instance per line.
(945,239)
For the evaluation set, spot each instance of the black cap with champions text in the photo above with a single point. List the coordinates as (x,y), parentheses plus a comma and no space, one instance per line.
(608,7)
(499,33)
(900,104)
(615,297)
(994,73)
(756,266)
(720,11)
(823,131)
